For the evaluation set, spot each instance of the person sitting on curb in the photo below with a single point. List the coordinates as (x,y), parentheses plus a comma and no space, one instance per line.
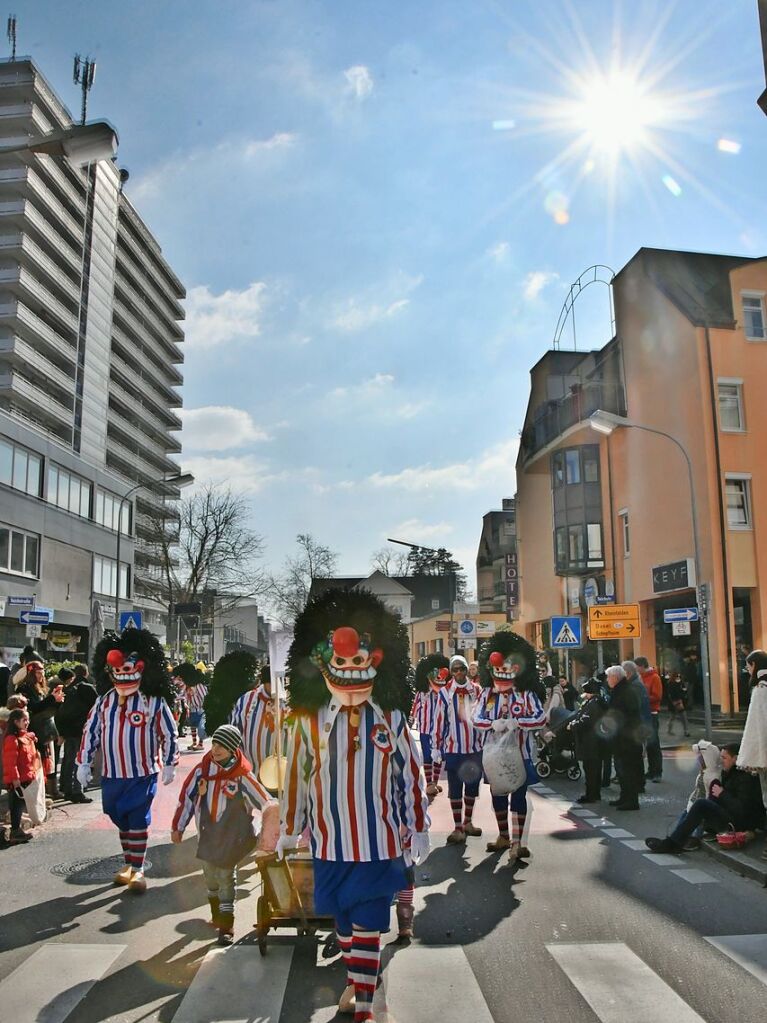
(734,801)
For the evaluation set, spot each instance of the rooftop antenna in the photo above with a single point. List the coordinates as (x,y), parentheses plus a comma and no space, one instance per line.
(11,31)
(83,75)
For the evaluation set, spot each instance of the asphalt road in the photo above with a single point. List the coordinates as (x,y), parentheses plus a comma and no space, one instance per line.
(593,929)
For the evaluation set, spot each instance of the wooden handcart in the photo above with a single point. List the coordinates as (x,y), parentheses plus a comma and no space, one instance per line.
(287,899)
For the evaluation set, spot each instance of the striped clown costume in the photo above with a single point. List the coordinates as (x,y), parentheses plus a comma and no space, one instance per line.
(507,668)
(458,743)
(432,673)
(253,714)
(133,726)
(354,775)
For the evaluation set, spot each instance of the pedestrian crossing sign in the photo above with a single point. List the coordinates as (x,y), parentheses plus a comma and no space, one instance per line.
(131,620)
(567,631)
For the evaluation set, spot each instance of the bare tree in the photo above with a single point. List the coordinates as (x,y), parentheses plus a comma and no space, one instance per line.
(389,562)
(211,549)
(290,589)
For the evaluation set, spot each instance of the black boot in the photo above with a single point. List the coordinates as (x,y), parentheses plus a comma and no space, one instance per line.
(226,928)
(214,914)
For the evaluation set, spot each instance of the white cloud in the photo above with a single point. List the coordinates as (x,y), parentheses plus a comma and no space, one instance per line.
(411,409)
(499,252)
(219,428)
(231,316)
(280,140)
(535,282)
(367,389)
(362,311)
(418,532)
(359,81)
(496,465)
(244,474)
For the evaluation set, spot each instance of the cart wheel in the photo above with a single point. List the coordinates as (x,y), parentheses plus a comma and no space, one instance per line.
(544,769)
(574,772)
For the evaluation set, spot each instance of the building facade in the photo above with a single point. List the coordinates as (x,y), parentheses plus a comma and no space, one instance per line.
(498,538)
(89,354)
(610,517)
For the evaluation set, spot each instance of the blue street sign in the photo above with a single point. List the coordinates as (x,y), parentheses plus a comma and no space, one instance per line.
(20,601)
(681,614)
(40,616)
(131,620)
(606,600)
(567,631)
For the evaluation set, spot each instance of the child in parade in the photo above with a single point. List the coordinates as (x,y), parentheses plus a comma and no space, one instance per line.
(508,701)
(221,793)
(21,762)
(353,773)
(458,743)
(431,675)
(132,724)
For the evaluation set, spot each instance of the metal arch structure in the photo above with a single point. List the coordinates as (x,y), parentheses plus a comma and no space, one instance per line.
(600,273)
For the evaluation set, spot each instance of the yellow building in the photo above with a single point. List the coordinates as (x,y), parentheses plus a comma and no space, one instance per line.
(612,515)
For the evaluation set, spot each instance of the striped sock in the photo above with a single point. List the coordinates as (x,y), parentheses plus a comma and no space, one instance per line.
(364,963)
(194,735)
(135,848)
(345,944)
(124,840)
(456,805)
(502,817)
(517,825)
(427,770)
(468,808)
(436,771)
(405,897)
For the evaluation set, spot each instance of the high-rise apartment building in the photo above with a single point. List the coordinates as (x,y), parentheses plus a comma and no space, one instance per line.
(89,354)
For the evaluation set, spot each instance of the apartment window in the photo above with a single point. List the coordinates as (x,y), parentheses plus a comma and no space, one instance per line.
(107,510)
(561,545)
(576,548)
(626,536)
(738,490)
(435,603)
(753,317)
(591,464)
(572,466)
(594,541)
(68,491)
(19,552)
(439,646)
(558,468)
(421,649)
(19,468)
(731,417)
(105,577)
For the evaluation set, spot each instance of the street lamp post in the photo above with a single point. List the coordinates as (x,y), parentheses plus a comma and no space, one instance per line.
(451,580)
(606,422)
(184,479)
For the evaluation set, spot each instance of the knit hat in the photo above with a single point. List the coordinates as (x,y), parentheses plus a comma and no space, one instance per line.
(228,736)
(457,659)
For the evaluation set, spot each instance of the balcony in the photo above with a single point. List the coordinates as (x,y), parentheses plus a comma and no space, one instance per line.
(552,419)
(33,402)
(20,354)
(144,319)
(34,294)
(39,334)
(27,181)
(144,282)
(138,445)
(22,213)
(123,355)
(30,254)
(140,416)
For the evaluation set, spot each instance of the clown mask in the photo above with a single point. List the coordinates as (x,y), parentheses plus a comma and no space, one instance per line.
(504,670)
(348,665)
(126,671)
(438,678)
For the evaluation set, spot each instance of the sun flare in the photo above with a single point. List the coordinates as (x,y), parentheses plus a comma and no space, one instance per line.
(616,113)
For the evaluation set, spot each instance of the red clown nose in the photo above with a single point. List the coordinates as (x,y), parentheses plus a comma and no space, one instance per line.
(115,658)
(496,658)
(443,673)
(346,641)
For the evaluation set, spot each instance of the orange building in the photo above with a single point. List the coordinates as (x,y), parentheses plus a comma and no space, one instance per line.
(601,516)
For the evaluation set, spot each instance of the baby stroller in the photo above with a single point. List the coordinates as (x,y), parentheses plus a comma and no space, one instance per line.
(556,750)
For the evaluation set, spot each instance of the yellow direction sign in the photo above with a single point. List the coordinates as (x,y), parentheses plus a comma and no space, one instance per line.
(614,621)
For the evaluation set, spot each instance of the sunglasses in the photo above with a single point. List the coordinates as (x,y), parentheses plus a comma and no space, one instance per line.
(458,668)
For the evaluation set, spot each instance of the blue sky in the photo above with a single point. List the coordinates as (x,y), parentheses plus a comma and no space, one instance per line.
(378,209)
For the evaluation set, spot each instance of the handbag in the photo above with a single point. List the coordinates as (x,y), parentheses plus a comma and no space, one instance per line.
(732,839)
(502,760)
(34,798)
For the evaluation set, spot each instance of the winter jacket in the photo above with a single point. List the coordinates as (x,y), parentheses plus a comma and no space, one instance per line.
(623,719)
(71,715)
(5,682)
(585,726)
(741,798)
(644,706)
(21,761)
(654,686)
(41,710)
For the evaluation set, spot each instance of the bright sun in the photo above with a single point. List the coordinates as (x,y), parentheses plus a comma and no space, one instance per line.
(615,113)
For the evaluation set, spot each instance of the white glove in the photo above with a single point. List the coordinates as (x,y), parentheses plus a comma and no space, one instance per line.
(436,756)
(500,725)
(419,846)
(285,843)
(84,775)
(168,774)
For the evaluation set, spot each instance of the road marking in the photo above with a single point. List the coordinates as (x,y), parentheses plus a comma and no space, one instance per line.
(232,982)
(693,876)
(617,833)
(618,985)
(456,996)
(747,950)
(636,844)
(54,980)
(662,859)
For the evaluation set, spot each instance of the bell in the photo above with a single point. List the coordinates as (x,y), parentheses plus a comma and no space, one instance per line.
(271,773)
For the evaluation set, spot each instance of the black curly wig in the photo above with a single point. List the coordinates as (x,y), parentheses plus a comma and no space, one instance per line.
(234,674)
(509,643)
(156,678)
(363,611)
(265,674)
(425,666)
(189,674)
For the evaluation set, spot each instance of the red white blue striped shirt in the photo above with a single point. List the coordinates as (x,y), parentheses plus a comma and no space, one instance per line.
(136,739)
(253,714)
(195,696)
(354,799)
(453,730)
(217,791)
(422,712)
(524,709)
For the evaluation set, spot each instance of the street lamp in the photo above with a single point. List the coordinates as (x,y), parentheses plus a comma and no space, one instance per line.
(605,423)
(80,143)
(451,578)
(182,479)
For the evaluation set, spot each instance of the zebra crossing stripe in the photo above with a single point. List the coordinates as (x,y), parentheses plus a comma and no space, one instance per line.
(456,996)
(54,980)
(747,950)
(237,985)
(618,986)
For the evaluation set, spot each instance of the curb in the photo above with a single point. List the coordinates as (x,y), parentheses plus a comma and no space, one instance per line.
(739,862)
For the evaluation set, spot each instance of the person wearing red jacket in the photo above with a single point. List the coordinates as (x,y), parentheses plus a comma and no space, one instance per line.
(21,762)
(654,686)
